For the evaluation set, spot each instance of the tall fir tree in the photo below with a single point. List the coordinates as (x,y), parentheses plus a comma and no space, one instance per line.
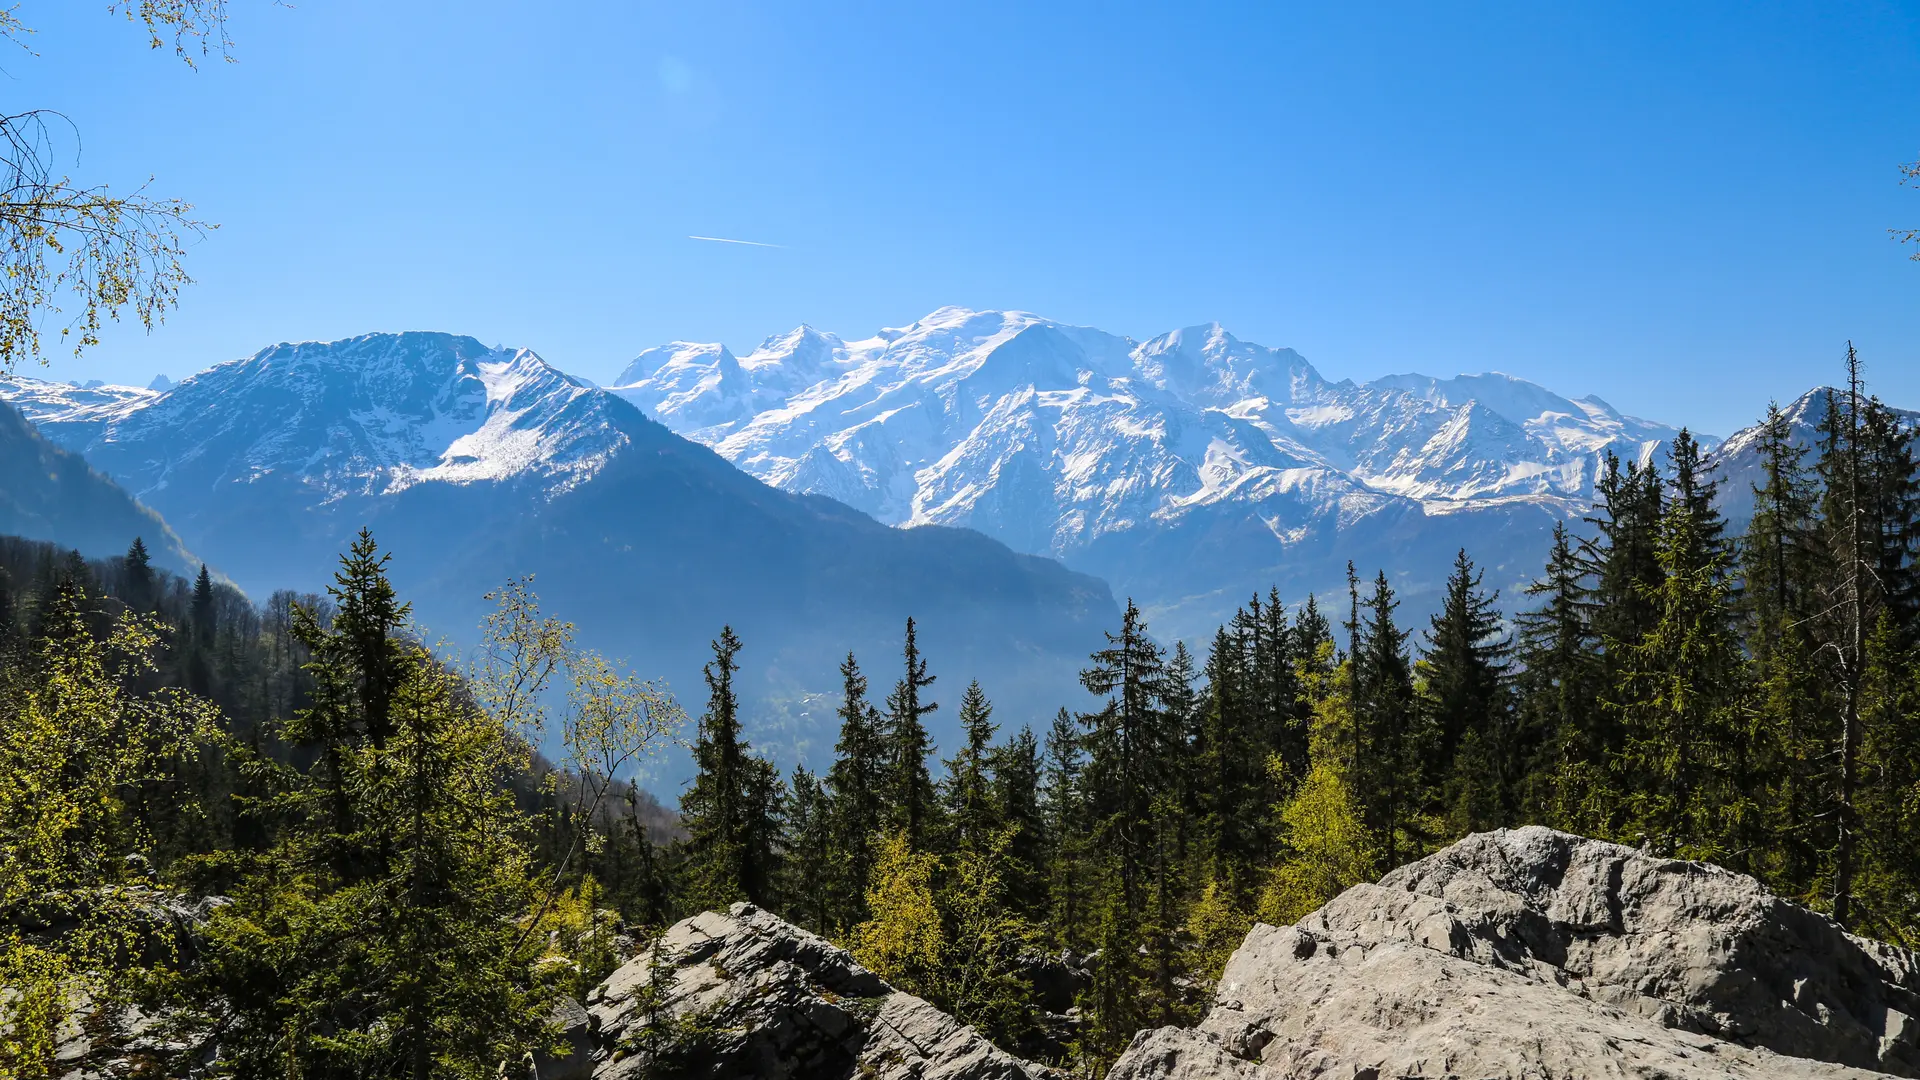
(971,815)
(140,578)
(1017,800)
(1389,732)
(1131,748)
(911,790)
(731,811)
(1064,804)
(857,783)
(1680,694)
(1792,710)
(1559,738)
(807,850)
(384,934)
(1464,695)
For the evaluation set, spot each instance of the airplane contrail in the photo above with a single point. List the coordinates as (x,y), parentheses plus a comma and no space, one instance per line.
(724,240)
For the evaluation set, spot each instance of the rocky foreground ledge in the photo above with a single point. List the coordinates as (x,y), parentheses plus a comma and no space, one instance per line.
(1526,954)
(1530,953)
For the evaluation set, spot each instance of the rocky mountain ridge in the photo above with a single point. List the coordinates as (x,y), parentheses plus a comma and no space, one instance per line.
(1138,461)
(473,465)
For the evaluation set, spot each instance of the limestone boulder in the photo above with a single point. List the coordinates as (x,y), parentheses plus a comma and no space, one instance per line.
(1532,954)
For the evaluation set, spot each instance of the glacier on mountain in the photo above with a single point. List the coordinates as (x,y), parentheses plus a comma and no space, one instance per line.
(1071,442)
(1049,436)
(1187,470)
(364,416)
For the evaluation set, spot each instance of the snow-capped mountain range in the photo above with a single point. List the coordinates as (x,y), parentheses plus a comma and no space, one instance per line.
(364,417)
(1188,470)
(1096,449)
(474,464)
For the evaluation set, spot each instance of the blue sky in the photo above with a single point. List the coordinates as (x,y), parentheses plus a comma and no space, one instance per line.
(1682,208)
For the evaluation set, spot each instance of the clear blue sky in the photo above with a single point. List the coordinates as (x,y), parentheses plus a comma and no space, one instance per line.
(1681,207)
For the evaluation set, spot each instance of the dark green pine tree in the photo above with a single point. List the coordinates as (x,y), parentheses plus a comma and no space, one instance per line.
(1560,738)
(1286,715)
(807,849)
(731,812)
(1226,774)
(1467,707)
(1064,804)
(972,816)
(1129,771)
(366,630)
(1388,730)
(1791,706)
(203,615)
(911,789)
(1865,628)
(200,642)
(1622,557)
(359,658)
(1685,768)
(1892,504)
(140,579)
(1015,774)
(858,783)
(383,934)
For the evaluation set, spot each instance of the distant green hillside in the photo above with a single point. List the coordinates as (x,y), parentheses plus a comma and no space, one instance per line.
(47,493)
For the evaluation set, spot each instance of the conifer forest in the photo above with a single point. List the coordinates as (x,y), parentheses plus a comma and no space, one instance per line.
(404,853)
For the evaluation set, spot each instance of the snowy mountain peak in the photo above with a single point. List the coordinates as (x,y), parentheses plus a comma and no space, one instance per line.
(1051,436)
(1209,364)
(359,416)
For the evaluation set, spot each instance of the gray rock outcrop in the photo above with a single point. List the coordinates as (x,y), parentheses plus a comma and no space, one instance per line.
(1535,954)
(764,999)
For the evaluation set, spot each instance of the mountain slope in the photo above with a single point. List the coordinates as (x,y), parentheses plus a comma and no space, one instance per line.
(47,493)
(1188,470)
(473,464)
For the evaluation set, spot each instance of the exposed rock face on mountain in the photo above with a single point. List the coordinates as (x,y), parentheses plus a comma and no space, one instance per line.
(1532,953)
(1187,470)
(48,493)
(474,464)
(777,1003)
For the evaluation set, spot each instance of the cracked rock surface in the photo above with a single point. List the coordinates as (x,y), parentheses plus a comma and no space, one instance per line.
(1533,954)
(784,1004)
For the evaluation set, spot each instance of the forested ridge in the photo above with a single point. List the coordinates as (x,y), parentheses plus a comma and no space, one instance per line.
(406,887)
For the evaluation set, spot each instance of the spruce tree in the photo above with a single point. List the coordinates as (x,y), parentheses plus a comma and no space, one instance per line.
(858,783)
(384,933)
(1467,708)
(1227,792)
(807,849)
(1560,737)
(731,811)
(1018,804)
(1681,689)
(910,790)
(1388,732)
(139,570)
(1064,803)
(1792,709)
(1131,771)
(972,818)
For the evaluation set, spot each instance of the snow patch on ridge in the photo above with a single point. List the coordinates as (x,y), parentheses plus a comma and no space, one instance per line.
(1049,436)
